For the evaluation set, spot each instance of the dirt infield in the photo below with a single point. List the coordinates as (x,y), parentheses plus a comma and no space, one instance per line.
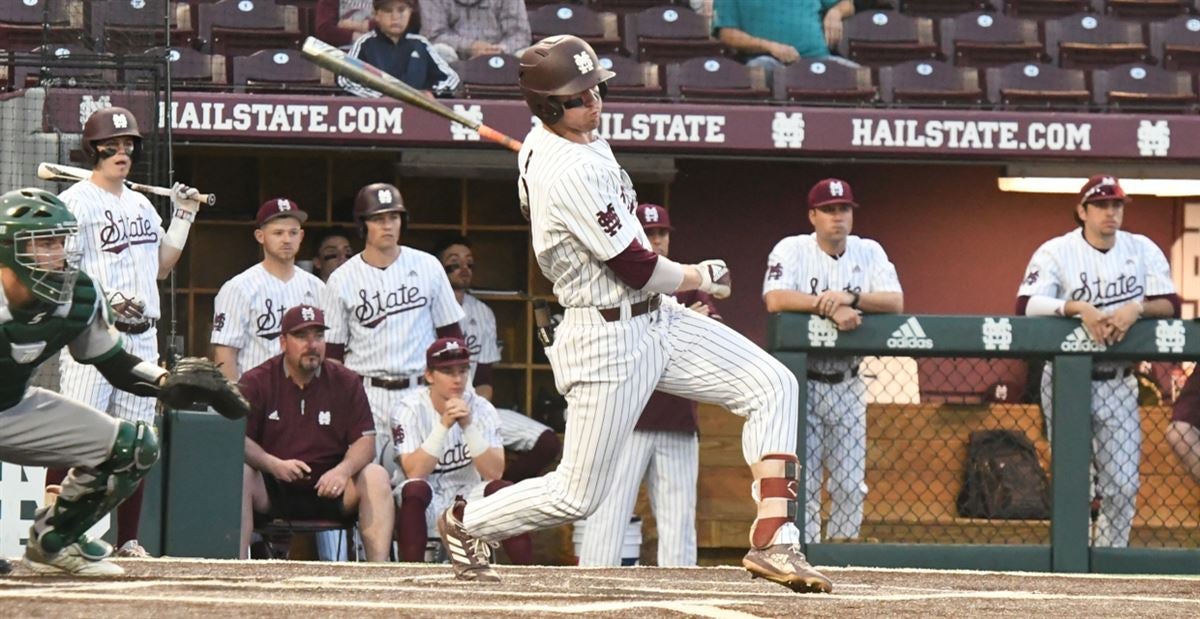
(197,588)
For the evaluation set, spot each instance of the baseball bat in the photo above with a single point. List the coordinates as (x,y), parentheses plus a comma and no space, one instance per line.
(69,174)
(339,63)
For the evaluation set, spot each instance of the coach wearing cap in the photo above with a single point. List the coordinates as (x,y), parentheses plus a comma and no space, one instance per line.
(310,439)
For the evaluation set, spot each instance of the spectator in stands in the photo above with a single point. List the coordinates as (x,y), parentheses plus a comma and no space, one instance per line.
(534,445)
(342,22)
(333,250)
(1184,432)
(770,34)
(406,56)
(310,440)
(463,29)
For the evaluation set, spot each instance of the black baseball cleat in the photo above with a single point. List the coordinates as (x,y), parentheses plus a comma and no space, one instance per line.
(468,555)
(786,565)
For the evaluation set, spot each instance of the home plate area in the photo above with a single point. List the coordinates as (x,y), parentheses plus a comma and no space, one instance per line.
(203,588)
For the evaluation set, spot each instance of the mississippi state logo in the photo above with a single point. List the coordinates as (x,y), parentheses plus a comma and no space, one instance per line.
(583,62)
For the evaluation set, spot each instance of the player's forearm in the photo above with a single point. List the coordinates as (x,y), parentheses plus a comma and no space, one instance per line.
(490,464)
(743,41)
(484,391)
(226,358)
(417,464)
(790,301)
(359,454)
(168,256)
(881,302)
(1161,307)
(131,374)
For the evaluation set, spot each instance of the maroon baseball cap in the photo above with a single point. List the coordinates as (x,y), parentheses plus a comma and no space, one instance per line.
(1102,187)
(831,191)
(654,217)
(447,352)
(280,207)
(301,317)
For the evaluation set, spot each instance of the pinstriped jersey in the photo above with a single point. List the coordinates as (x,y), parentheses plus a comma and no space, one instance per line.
(798,263)
(1071,269)
(479,330)
(412,421)
(119,237)
(388,317)
(581,205)
(250,307)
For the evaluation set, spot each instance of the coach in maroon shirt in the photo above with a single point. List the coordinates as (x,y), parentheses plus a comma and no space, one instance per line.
(310,439)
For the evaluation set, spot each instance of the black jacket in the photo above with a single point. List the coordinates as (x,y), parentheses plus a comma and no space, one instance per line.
(410,60)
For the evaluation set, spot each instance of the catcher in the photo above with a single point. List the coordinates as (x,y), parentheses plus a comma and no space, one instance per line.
(47,303)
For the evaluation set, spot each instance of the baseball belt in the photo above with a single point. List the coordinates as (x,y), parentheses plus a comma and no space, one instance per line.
(835,378)
(396,383)
(613,314)
(135,328)
(1111,374)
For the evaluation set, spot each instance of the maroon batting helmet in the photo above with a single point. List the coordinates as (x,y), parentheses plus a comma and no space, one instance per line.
(112,122)
(557,66)
(375,199)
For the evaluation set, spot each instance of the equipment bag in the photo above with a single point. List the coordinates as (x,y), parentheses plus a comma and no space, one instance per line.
(1003,478)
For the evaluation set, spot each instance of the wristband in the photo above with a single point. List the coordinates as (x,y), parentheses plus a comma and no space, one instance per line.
(177,234)
(435,443)
(475,441)
(854,302)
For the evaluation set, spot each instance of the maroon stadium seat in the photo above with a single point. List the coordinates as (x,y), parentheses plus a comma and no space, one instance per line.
(21,23)
(492,75)
(1147,10)
(930,82)
(819,80)
(241,27)
(1087,41)
(666,33)
(129,26)
(885,37)
(1030,85)
(990,40)
(1046,8)
(633,80)
(634,6)
(944,8)
(716,77)
(1176,42)
(280,69)
(58,69)
(190,69)
(1140,87)
(598,29)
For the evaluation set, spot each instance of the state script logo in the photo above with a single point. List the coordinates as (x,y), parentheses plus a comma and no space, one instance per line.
(910,335)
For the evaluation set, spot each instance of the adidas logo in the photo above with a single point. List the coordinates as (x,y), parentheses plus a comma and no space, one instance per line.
(274,416)
(909,335)
(1079,341)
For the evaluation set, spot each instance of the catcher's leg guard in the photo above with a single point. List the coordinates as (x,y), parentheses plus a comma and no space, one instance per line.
(776,488)
(90,493)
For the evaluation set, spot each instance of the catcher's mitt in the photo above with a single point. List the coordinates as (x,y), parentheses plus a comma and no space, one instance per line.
(198,381)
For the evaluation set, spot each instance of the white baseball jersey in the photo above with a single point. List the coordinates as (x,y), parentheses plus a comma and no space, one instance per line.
(119,237)
(1071,269)
(413,420)
(837,424)
(388,317)
(581,206)
(250,307)
(479,330)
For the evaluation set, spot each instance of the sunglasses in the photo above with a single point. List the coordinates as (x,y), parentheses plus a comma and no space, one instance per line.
(588,96)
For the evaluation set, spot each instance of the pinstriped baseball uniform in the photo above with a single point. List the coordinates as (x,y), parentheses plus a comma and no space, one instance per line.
(120,237)
(837,403)
(249,308)
(581,204)
(479,330)
(455,474)
(386,318)
(1069,268)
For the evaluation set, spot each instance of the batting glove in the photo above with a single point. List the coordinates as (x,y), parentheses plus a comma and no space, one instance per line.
(185,200)
(715,278)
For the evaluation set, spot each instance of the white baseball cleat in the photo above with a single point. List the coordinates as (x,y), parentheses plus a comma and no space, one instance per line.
(468,555)
(83,558)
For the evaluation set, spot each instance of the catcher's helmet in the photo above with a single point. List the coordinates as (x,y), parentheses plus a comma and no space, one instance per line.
(112,122)
(32,216)
(557,66)
(379,198)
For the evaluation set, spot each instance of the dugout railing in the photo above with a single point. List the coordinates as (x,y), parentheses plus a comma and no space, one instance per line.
(912,533)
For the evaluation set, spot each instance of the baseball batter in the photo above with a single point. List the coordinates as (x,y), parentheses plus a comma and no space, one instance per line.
(664,449)
(127,251)
(384,307)
(536,446)
(839,276)
(1108,279)
(621,337)
(448,443)
(249,308)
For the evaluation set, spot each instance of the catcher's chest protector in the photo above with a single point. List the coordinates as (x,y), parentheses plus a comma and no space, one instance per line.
(27,342)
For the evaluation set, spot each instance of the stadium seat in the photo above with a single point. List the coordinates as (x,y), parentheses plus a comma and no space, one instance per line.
(944,8)
(820,80)
(242,27)
(1089,41)
(885,37)
(1147,88)
(131,26)
(21,23)
(280,69)
(634,79)
(1025,85)
(277,533)
(990,40)
(190,69)
(492,75)
(716,77)
(924,82)
(598,29)
(60,68)
(1146,10)
(1176,42)
(1045,8)
(669,33)
(634,6)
